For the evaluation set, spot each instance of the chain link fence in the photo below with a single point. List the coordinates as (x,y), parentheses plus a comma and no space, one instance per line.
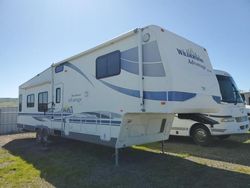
(8,120)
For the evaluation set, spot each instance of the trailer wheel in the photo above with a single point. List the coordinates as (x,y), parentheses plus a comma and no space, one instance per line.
(201,135)
(223,137)
(45,137)
(38,135)
(42,136)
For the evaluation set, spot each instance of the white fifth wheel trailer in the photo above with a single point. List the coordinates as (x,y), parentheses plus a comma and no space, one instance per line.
(232,116)
(123,92)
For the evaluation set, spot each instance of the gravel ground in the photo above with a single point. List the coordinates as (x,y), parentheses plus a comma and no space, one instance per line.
(4,139)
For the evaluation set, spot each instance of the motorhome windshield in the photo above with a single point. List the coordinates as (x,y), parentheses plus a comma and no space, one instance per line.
(229,90)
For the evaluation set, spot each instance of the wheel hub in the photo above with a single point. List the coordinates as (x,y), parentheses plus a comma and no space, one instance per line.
(201,135)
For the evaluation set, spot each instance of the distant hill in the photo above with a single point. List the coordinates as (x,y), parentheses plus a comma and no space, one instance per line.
(8,102)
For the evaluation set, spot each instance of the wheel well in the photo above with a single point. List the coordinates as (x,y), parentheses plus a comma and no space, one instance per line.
(194,126)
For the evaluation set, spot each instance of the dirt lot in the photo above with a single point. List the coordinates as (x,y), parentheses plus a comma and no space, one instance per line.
(69,163)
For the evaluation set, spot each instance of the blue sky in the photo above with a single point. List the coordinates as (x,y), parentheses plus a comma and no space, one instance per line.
(36,33)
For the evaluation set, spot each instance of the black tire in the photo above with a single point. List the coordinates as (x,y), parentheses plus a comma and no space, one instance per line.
(201,135)
(223,137)
(42,136)
(45,137)
(39,136)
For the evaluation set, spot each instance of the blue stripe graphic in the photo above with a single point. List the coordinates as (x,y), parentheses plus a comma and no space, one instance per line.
(153,95)
(152,65)
(180,96)
(78,120)
(152,70)
(95,122)
(46,114)
(130,66)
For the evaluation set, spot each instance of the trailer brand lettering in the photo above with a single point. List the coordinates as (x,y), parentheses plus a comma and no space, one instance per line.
(75,98)
(195,63)
(189,53)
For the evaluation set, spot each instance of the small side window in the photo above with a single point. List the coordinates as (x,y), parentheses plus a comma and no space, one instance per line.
(108,65)
(58,95)
(20,102)
(30,101)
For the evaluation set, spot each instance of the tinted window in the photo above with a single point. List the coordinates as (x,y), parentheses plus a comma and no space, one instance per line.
(43,102)
(58,95)
(229,90)
(30,100)
(243,97)
(108,65)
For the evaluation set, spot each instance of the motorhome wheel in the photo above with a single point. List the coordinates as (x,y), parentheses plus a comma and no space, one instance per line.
(38,135)
(201,135)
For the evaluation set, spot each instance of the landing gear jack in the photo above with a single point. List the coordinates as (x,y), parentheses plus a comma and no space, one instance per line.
(42,137)
(116,157)
(162,147)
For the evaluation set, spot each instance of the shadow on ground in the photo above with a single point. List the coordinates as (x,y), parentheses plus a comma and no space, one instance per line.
(76,164)
(235,149)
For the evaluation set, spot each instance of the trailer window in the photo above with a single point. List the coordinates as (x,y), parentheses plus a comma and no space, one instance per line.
(20,103)
(108,65)
(31,100)
(58,95)
(43,102)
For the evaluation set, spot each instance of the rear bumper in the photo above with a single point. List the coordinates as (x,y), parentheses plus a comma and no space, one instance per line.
(230,128)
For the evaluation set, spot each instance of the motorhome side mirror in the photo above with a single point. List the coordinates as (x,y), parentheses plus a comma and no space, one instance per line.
(243,97)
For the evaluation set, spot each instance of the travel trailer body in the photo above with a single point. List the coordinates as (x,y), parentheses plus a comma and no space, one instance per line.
(123,92)
(232,116)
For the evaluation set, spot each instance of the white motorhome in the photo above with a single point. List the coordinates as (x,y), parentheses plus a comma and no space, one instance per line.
(232,116)
(123,92)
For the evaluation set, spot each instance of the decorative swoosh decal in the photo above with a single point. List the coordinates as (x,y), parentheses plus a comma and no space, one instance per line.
(130,92)
(78,70)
